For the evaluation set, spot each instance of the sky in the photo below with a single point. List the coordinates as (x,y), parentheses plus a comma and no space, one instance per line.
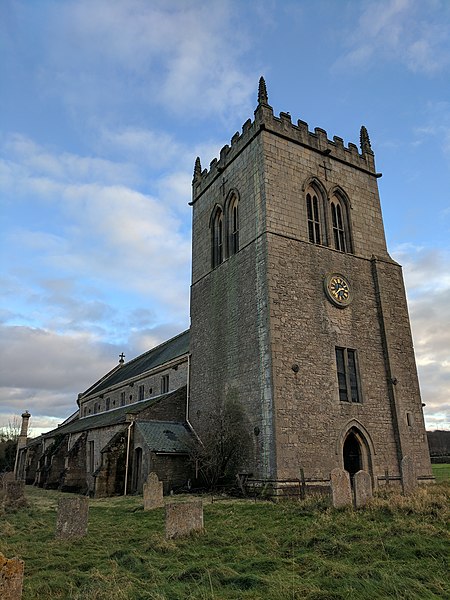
(104,106)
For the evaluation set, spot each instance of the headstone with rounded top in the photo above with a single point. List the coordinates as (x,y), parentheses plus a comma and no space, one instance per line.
(362,483)
(341,490)
(11,578)
(153,492)
(72,518)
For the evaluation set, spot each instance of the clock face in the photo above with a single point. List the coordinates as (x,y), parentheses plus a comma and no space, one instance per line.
(337,289)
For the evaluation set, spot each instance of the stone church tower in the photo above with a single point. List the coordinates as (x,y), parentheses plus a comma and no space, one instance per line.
(297,310)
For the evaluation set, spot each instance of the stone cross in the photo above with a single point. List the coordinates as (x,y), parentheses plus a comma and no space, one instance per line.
(183,518)
(11,578)
(409,478)
(325,169)
(72,518)
(362,483)
(341,489)
(153,492)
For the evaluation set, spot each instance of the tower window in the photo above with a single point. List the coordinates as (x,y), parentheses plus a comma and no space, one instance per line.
(107,403)
(338,227)
(347,373)
(233,226)
(141,392)
(164,384)
(217,238)
(122,398)
(312,208)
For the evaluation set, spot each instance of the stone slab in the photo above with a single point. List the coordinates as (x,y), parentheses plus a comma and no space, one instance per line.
(72,518)
(409,477)
(11,578)
(362,483)
(7,477)
(183,518)
(341,489)
(153,492)
(14,495)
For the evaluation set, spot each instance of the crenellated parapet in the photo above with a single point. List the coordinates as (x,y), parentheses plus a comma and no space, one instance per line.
(282,126)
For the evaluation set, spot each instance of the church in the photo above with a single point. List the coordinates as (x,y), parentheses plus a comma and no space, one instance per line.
(298,316)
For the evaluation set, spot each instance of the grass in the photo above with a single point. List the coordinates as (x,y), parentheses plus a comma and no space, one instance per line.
(441,472)
(395,548)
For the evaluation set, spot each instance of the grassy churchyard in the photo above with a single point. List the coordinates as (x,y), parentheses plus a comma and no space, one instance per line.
(397,547)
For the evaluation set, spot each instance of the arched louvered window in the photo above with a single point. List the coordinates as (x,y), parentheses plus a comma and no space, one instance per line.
(233,225)
(217,238)
(340,224)
(313,212)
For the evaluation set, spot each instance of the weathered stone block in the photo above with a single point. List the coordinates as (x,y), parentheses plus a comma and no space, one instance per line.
(183,518)
(72,518)
(340,488)
(11,578)
(362,483)
(409,477)
(14,495)
(153,492)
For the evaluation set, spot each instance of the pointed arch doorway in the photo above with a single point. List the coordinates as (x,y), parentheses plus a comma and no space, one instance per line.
(352,454)
(356,449)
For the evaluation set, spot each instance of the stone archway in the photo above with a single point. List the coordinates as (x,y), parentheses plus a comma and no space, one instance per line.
(352,454)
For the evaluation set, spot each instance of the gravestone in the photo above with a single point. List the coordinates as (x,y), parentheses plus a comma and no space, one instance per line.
(72,518)
(409,477)
(11,578)
(183,518)
(362,483)
(341,489)
(153,492)
(7,477)
(14,497)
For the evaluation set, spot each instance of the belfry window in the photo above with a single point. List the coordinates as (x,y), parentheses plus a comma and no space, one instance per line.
(233,226)
(164,384)
(312,209)
(217,238)
(340,224)
(347,374)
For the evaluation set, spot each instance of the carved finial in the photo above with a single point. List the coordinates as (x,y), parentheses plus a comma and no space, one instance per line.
(262,92)
(364,141)
(197,169)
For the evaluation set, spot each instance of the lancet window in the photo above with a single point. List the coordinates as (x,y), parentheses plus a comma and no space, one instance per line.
(217,238)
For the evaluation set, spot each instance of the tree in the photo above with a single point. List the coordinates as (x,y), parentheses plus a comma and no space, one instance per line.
(224,446)
(9,435)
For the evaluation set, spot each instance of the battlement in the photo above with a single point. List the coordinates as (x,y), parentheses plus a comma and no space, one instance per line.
(282,126)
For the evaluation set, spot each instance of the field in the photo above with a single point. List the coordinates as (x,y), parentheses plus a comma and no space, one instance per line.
(396,548)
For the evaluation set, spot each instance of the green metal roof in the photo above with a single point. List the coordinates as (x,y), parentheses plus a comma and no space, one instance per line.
(164,436)
(163,353)
(116,416)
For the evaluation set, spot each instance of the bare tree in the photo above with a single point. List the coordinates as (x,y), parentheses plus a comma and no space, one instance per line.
(224,446)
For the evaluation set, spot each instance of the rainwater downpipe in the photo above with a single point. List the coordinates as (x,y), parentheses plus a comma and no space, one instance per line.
(128,457)
(188,391)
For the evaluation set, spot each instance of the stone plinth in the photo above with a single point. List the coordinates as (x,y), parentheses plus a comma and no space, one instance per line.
(340,488)
(409,477)
(153,492)
(183,518)
(72,519)
(362,483)
(11,578)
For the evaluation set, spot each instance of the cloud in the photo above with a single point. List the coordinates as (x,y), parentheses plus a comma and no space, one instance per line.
(184,58)
(412,32)
(427,279)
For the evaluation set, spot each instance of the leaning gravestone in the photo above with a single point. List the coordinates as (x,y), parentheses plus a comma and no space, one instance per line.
(153,492)
(183,518)
(11,578)
(341,489)
(14,497)
(409,478)
(362,483)
(72,519)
